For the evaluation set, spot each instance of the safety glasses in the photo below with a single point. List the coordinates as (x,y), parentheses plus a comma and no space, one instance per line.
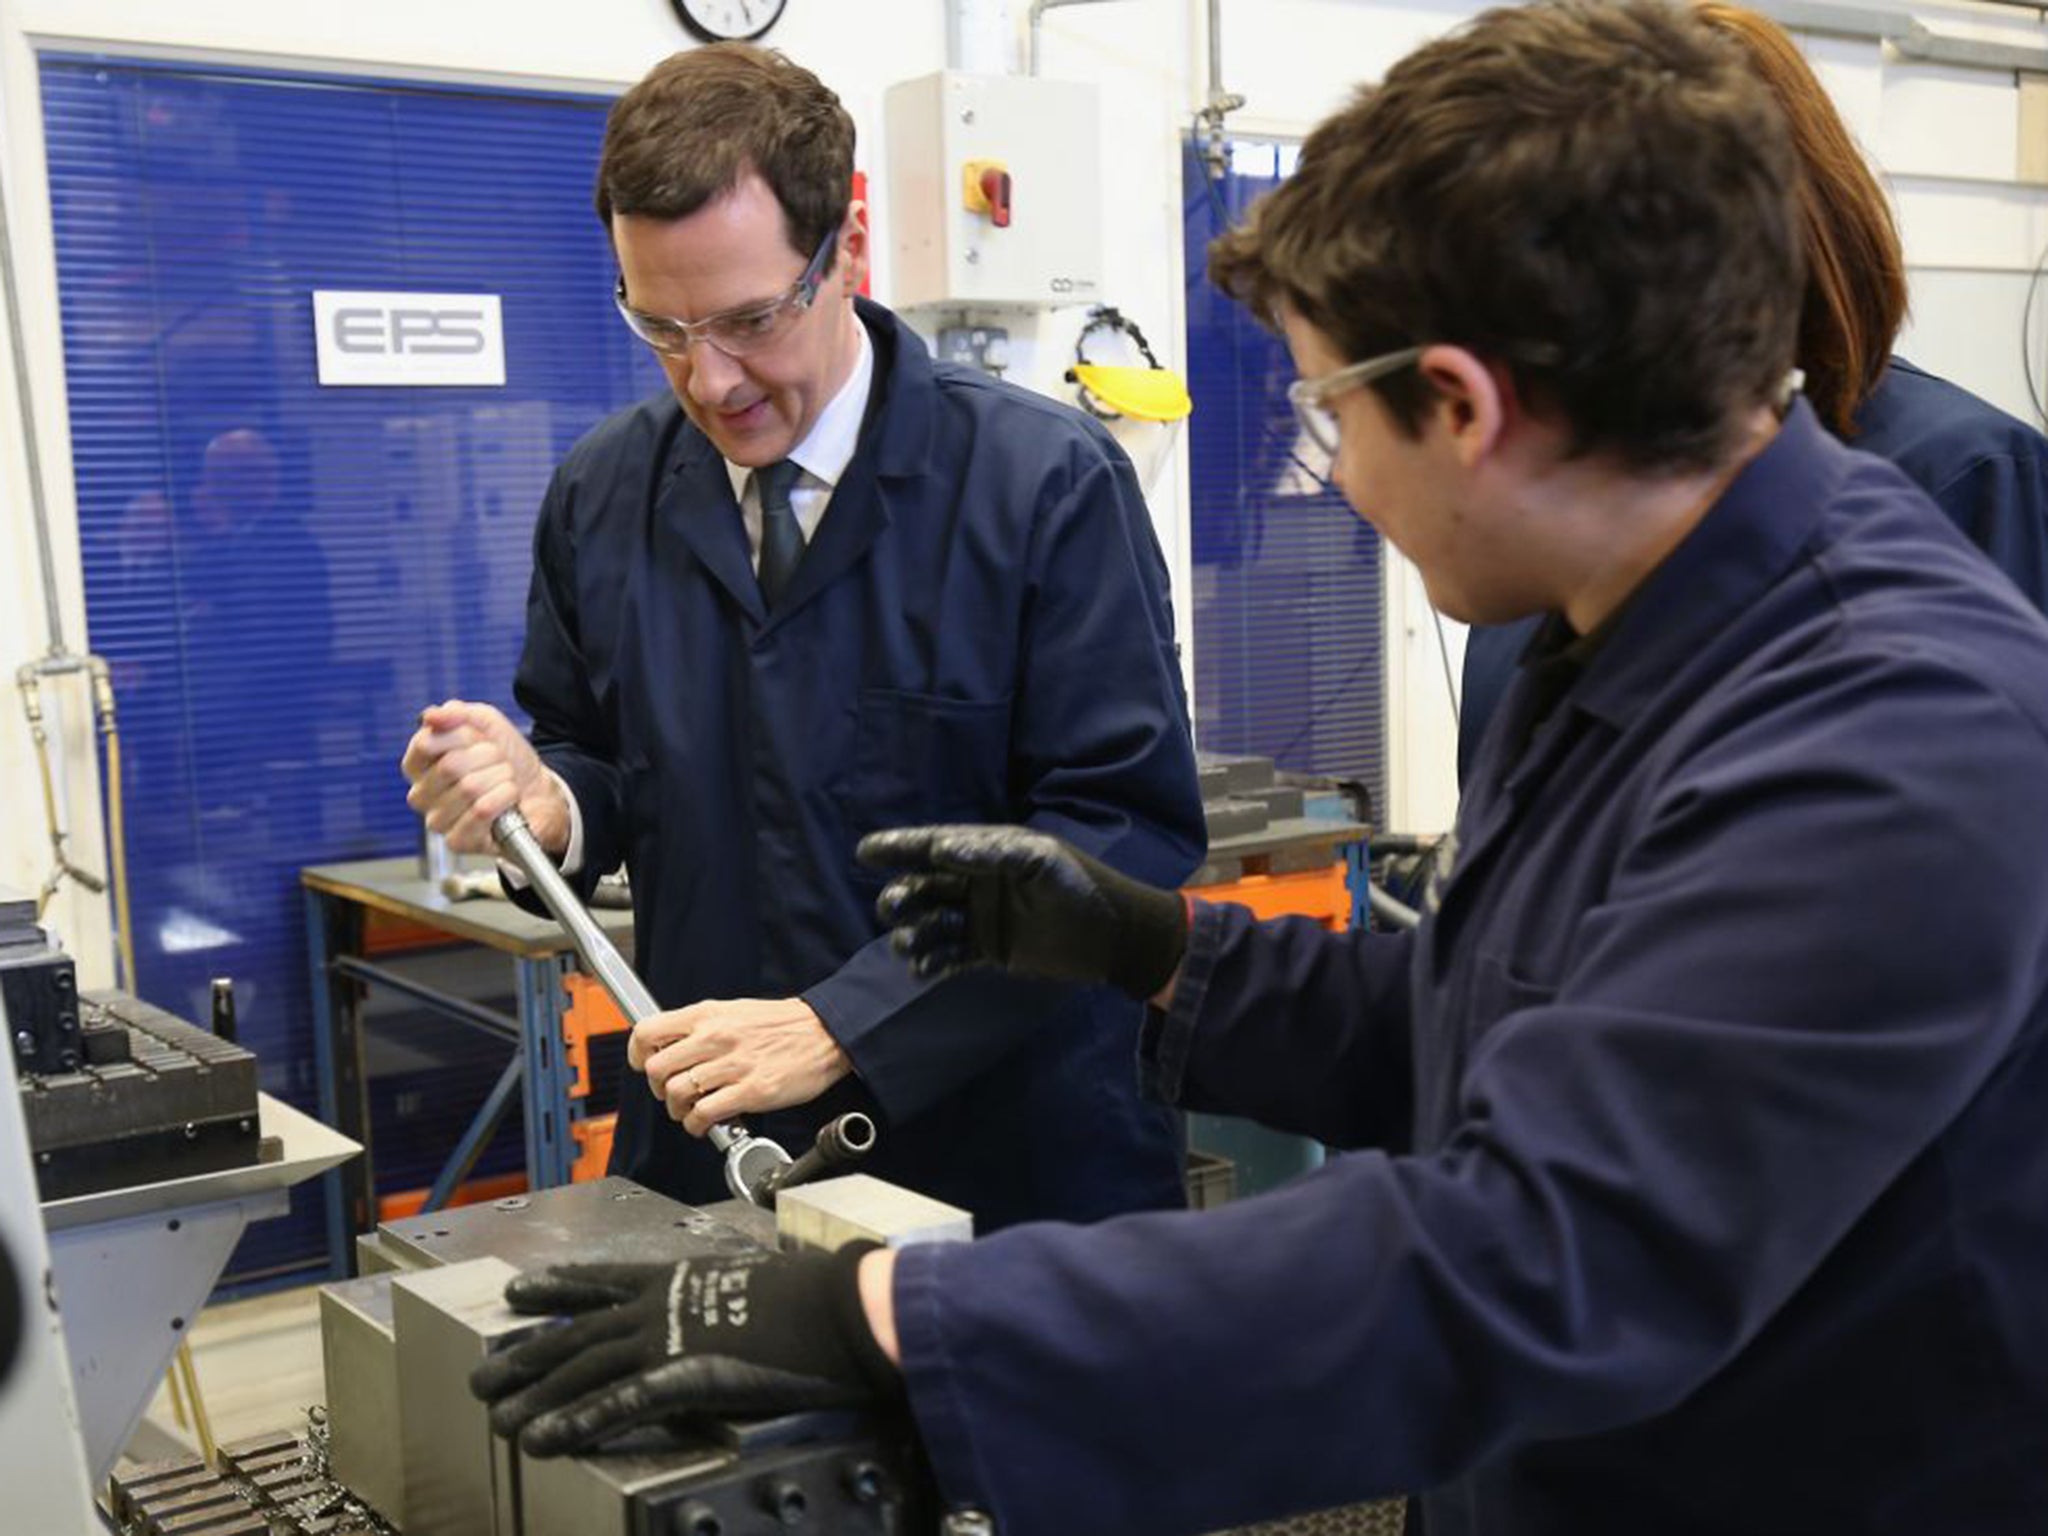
(735,332)
(1310,397)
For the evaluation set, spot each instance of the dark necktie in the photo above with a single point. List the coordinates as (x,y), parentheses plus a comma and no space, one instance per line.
(782,540)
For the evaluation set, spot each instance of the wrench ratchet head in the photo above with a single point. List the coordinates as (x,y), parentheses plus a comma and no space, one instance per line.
(750,1167)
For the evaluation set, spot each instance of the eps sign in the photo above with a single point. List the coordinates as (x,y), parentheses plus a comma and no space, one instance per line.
(408,338)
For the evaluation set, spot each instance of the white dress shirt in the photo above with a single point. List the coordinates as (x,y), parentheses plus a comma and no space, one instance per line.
(821,457)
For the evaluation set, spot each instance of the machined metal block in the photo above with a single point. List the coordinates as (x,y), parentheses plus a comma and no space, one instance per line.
(603,1221)
(39,987)
(1215,871)
(182,1103)
(460,1479)
(358,1347)
(598,1495)
(283,1475)
(215,1497)
(374,1256)
(834,1212)
(1294,861)
(216,1077)
(265,1476)
(1283,802)
(185,1500)
(258,1451)
(17,916)
(241,1520)
(1231,817)
(295,1491)
(853,1473)
(855,1480)
(1238,772)
(128,1491)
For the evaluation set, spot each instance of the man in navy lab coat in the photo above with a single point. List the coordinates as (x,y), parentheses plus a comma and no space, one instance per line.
(1701,1184)
(828,586)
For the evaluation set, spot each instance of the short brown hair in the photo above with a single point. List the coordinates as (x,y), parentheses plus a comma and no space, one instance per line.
(1593,193)
(703,119)
(1855,269)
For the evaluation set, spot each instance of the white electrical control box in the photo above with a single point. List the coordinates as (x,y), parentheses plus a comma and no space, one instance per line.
(994,192)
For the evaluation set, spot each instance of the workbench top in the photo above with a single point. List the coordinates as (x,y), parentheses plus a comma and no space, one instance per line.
(397,887)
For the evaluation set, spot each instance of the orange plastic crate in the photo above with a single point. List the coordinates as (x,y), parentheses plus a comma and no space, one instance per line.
(1323,894)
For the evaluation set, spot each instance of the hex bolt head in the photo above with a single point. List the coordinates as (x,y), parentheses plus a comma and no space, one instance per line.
(866,1482)
(784,1498)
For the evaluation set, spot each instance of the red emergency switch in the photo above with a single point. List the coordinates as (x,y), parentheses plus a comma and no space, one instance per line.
(985,188)
(995,189)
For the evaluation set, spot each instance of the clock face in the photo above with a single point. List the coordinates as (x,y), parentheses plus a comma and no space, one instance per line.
(720,20)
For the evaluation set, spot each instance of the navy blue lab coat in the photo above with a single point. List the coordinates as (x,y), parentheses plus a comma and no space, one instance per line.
(1986,470)
(1714,1198)
(979,631)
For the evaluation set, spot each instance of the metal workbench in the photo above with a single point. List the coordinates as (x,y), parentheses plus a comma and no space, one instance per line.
(338,898)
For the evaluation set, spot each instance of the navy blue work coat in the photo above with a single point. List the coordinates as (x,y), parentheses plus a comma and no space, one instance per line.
(1986,470)
(978,631)
(1712,1190)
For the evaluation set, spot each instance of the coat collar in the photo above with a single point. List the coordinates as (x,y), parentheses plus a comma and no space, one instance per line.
(896,443)
(1745,543)
(904,420)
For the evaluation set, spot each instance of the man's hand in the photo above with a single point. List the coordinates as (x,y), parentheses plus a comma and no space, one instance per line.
(748,1335)
(468,765)
(713,1061)
(1025,901)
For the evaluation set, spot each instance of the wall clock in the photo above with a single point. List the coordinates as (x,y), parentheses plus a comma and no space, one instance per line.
(723,20)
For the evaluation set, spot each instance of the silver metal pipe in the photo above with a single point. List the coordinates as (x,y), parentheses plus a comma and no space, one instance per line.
(1220,103)
(600,956)
(840,1143)
(1398,913)
(1038,9)
(1915,41)
(38,504)
(57,665)
(1215,49)
(978,36)
(752,1163)
(1909,37)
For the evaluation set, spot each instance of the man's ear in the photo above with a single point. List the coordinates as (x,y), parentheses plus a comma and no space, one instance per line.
(1472,402)
(852,269)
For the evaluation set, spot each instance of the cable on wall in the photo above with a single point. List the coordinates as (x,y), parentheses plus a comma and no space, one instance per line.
(2027,338)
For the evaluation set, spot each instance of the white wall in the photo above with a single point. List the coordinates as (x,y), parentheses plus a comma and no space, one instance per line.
(1947,137)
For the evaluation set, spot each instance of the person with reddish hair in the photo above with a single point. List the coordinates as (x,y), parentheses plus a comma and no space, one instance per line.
(1986,470)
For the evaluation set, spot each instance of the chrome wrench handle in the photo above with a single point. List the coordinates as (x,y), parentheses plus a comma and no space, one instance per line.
(751,1162)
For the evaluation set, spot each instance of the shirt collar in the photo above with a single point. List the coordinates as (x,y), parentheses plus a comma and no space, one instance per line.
(1746,541)
(828,447)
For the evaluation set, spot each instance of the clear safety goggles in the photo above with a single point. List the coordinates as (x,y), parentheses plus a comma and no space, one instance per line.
(735,332)
(1311,397)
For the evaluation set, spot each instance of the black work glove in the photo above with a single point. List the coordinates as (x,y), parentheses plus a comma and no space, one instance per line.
(746,1335)
(1025,901)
